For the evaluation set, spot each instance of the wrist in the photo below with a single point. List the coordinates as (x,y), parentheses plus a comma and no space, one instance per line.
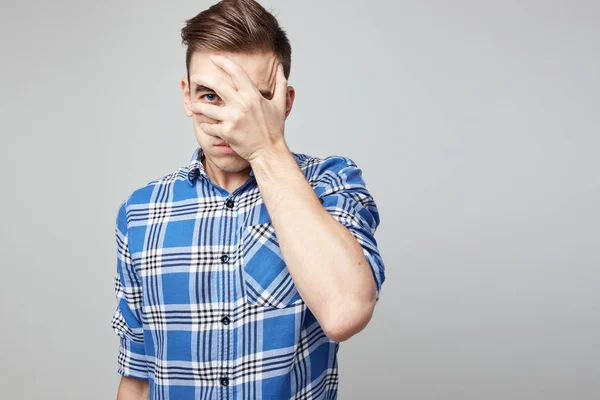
(271,162)
(266,155)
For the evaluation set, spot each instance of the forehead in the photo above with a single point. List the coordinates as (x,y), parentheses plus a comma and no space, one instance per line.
(260,66)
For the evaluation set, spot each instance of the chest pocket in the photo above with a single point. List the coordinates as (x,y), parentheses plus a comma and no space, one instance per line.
(266,279)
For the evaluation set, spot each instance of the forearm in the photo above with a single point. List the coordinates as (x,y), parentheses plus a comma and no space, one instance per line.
(133,389)
(324,259)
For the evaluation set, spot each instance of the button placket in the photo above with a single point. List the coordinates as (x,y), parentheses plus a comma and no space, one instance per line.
(225,320)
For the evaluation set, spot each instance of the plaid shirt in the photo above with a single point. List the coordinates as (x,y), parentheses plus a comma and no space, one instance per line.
(206,308)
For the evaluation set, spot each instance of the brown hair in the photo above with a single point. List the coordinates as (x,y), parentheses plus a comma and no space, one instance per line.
(236,26)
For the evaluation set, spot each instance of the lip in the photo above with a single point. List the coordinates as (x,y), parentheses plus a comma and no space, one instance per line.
(225,148)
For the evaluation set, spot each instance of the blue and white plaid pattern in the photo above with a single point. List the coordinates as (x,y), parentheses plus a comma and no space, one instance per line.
(206,306)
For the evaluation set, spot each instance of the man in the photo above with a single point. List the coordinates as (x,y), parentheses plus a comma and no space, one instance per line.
(239,273)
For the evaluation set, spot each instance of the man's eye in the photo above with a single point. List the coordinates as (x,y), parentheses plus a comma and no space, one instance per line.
(211,97)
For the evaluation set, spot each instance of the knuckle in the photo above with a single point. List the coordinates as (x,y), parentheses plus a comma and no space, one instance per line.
(251,101)
(245,105)
(236,115)
(221,80)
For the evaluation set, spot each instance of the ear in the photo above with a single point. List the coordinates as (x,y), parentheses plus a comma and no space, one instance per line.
(289,101)
(185,92)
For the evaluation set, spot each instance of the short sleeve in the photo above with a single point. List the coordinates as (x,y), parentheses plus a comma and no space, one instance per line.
(126,321)
(343,193)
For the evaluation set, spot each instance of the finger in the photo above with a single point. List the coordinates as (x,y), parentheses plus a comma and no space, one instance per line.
(218,85)
(238,75)
(211,111)
(212,129)
(280,93)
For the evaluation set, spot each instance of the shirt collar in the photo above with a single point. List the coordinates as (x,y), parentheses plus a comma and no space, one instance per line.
(195,167)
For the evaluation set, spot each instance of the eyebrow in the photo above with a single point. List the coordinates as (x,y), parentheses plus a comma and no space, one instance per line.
(201,88)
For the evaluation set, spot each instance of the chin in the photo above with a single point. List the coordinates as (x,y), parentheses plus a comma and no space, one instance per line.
(230,163)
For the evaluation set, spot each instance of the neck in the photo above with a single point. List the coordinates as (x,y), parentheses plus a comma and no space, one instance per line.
(228,180)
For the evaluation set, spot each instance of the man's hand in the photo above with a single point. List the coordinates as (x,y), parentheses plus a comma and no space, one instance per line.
(249,123)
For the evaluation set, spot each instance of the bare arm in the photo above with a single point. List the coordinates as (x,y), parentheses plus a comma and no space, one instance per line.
(325,261)
(133,389)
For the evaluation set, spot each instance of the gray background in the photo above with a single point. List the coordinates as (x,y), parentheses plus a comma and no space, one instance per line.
(475,123)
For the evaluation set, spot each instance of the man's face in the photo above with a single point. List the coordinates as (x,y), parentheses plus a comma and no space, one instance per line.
(261,68)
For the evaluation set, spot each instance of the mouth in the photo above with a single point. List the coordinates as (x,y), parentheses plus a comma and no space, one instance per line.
(225,148)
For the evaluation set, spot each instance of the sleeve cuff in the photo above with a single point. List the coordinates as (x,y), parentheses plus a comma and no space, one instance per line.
(132,359)
(378,273)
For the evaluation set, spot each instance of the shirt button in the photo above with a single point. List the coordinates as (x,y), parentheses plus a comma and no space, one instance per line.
(224,258)
(229,203)
(224,381)
(225,320)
